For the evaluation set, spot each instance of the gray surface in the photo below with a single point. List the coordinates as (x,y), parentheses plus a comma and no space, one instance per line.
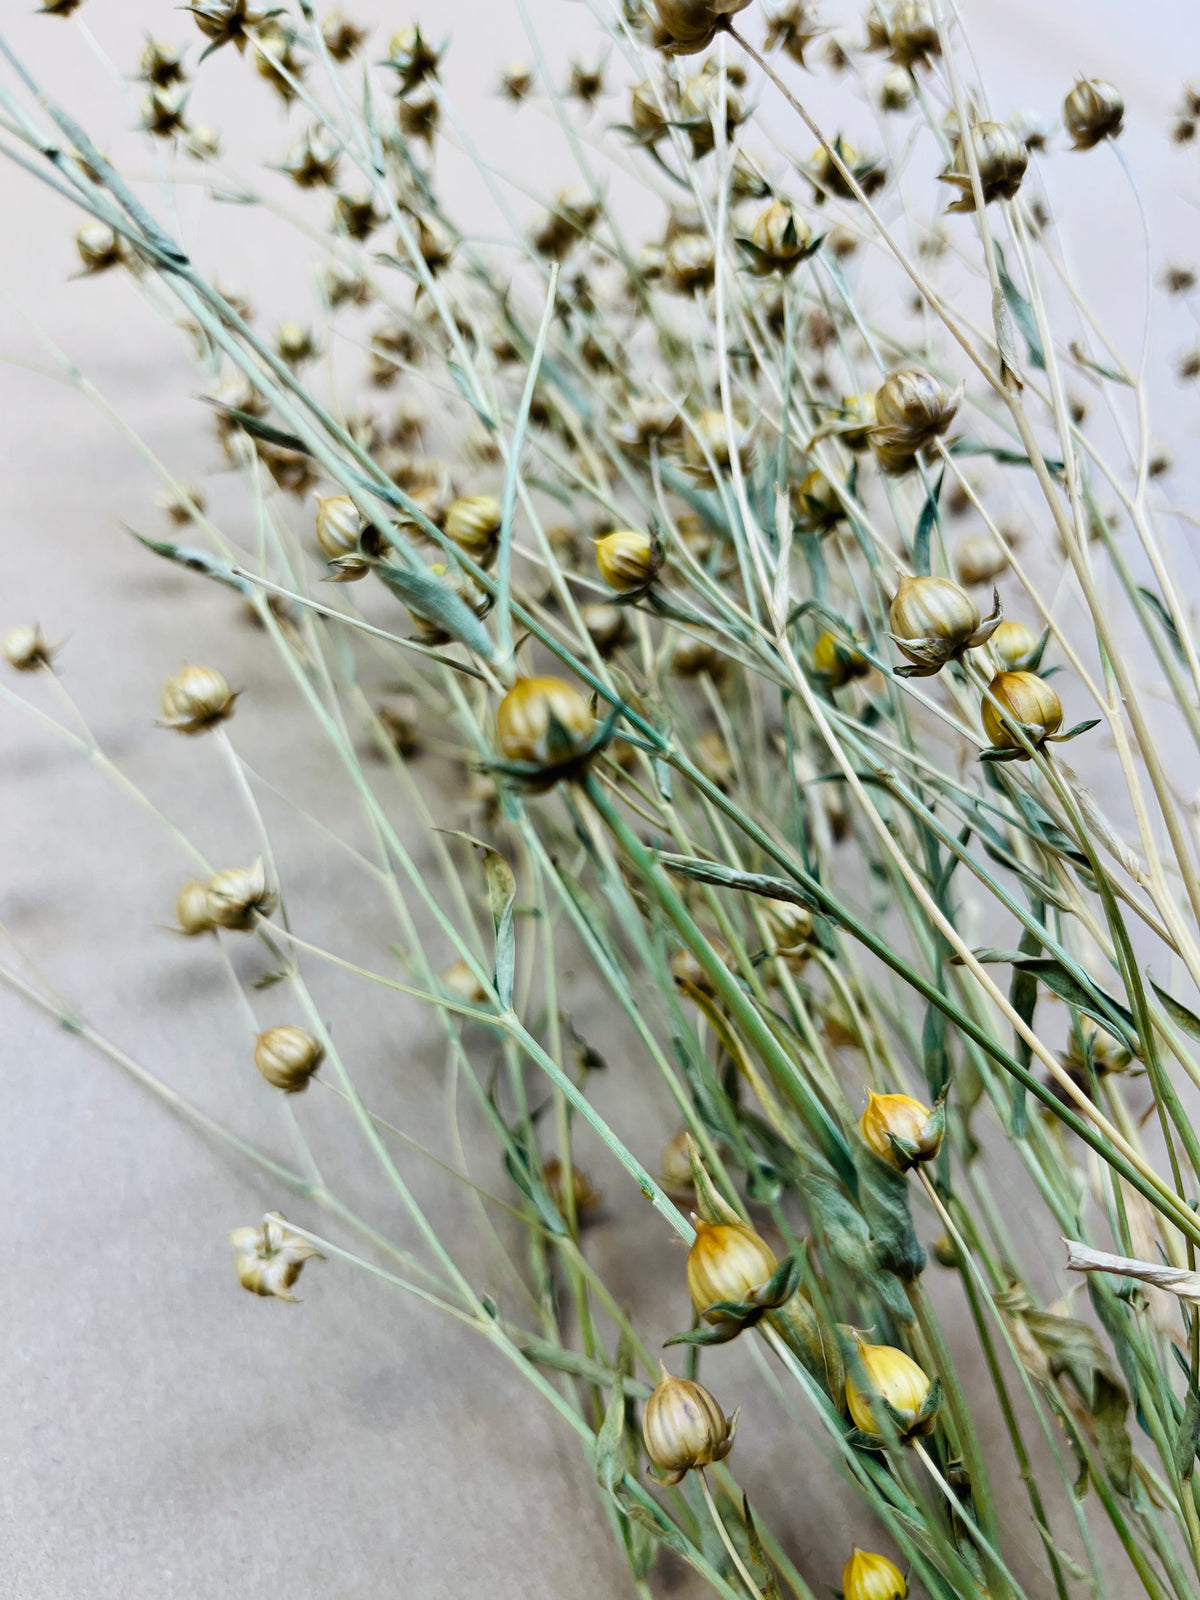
(162,1432)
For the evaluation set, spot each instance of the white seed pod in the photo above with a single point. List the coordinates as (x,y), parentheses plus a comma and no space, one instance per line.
(25,650)
(238,896)
(288,1056)
(195,699)
(268,1260)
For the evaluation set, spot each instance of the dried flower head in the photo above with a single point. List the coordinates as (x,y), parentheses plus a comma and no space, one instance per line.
(683,1427)
(412,57)
(933,621)
(897,91)
(585,1197)
(238,896)
(312,162)
(586,83)
(268,1260)
(1092,112)
(26,650)
(895,1388)
(791,28)
(195,699)
(355,214)
(900,1130)
(340,36)
(1001,159)
(868,1576)
(516,81)
(912,36)
(288,1056)
(691,264)
(709,441)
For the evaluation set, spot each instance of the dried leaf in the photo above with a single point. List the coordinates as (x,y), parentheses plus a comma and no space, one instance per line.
(1177,1280)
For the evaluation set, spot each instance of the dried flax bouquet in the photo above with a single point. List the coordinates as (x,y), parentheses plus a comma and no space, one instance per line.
(755,613)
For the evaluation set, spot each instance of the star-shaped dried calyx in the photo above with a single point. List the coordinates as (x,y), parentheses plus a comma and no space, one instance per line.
(269,1259)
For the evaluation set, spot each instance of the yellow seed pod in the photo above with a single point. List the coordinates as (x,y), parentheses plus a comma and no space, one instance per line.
(1094,110)
(473,522)
(628,560)
(895,1377)
(25,650)
(979,558)
(1012,644)
(1020,697)
(543,722)
(684,1427)
(727,1261)
(268,1260)
(780,237)
(195,699)
(900,1117)
(868,1576)
(192,915)
(836,662)
(238,896)
(288,1056)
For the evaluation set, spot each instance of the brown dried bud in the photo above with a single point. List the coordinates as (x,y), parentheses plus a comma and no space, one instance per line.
(268,1260)
(792,28)
(676,1164)
(912,35)
(646,115)
(817,504)
(225,21)
(473,522)
(585,83)
(238,896)
(341,36)
(896,92)
(1024,698)
(1001,158)
(355,214)
(585,1197)
(684,1427)
(412,57)
(1093,111)
(195,699)
(399,719)
(516,80)
(628,560)
(685,27)
(700,108)
(25,650)
(690,264)
(933,621)
(649,422)
(288,1056)
(544,722)
(294,343)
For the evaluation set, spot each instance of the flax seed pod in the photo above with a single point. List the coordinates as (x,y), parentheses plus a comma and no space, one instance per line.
(1092,112)
(196,699)
(288,1056)
(868,1576)
(683,1428)
(473,522)
(900,1130)
(893,1377)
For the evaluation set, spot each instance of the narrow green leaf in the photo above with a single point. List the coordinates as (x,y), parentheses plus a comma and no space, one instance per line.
(1022,312)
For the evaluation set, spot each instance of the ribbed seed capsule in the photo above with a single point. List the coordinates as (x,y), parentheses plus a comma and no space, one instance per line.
(728,1261)
(900,1130)
(473,522)
(780,239)
(195,699)
(683,1427)
(685,27)
(25,650)
(627,560)
(894,1377)
(238,896)
(912,34)
(543,722)
(288,1056)
(711,435)
(869,1576)
(912,408)
(933,620)
(1001,158)
(1093,111)
(1020,697)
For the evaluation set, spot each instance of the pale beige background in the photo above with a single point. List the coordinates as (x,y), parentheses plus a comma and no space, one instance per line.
(162,1433)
